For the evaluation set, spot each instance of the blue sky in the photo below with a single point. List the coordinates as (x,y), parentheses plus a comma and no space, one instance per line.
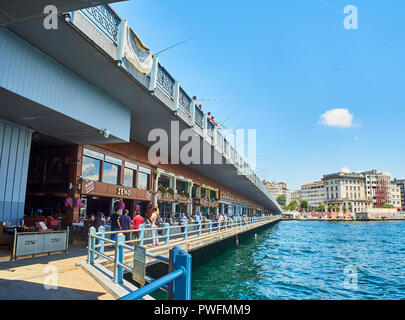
(275,66)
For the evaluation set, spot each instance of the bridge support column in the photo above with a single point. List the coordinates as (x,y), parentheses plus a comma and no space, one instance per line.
(14,158)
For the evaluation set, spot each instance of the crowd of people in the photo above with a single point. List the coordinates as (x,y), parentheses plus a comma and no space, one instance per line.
(120,220)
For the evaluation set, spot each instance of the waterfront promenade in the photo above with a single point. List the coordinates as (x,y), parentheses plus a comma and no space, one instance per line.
(25,279)
(76,279)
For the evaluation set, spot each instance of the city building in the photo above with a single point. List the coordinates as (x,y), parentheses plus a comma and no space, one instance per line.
(401,184)
(314,193)
(377,188)
(395,196)
(276,188)
(280,188)
(345,191)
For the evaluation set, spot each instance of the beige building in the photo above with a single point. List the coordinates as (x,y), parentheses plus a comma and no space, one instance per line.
(346,189)
(377,188)
(314,193)
(395,196)
(280,188)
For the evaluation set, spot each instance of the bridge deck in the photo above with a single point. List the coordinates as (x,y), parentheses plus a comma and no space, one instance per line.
(191,243)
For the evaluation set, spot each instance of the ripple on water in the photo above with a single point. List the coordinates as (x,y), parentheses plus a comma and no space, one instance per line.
(307,260)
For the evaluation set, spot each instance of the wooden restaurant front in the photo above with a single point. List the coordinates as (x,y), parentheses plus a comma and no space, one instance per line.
(107,177)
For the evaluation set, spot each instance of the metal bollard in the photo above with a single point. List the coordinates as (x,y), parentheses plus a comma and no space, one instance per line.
(119,258)
(101,231)
(91,246)
(199,230)
(141,234)
(180,288)
(167,233)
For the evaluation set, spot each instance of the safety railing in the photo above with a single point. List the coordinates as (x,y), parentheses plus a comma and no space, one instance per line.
(105,19)
(199,116)
(184,101)
(167,234)
(177,283)
(165,81)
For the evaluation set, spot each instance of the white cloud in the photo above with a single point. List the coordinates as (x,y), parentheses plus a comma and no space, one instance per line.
(338,117)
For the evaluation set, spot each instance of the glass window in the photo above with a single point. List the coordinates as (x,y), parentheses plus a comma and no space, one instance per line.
(143,181)
(129,177)
(111,173)
(91,168)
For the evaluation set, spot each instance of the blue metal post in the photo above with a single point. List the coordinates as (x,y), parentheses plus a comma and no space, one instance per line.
(172,262)
(185,231)
(210,227)
(119,258)
(141,234)
(199,229)
(167,233)
(91,246)
(101,231)
(182,285)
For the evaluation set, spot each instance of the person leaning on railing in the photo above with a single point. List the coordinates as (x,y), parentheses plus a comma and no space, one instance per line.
(136,222)
(183,222)
(153,220)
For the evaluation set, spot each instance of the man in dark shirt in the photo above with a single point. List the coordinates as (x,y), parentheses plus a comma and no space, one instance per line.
(125,222)
(115,223)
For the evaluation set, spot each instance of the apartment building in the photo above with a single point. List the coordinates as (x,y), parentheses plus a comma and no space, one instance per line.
(395,196)
(401,184)
(314,193)
(346,189)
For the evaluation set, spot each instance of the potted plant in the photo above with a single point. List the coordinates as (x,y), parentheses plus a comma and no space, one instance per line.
(163,190)
(170,191)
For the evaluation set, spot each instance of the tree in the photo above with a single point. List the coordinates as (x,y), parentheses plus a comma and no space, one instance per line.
(330,208)
(304,205)
(292,206)
(344,208)
(388,206)
(281,199)
(350,207)
(321,207)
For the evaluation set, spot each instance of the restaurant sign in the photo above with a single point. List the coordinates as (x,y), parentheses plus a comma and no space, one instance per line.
(123,192)
(29,243)
(139,269)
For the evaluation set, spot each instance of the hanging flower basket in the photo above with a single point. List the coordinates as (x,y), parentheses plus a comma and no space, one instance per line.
(79,203)
(68,202)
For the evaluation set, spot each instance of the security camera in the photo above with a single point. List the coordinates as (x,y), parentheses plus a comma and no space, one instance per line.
(106,133)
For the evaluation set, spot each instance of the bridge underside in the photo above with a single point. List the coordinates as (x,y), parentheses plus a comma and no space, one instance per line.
(13,11)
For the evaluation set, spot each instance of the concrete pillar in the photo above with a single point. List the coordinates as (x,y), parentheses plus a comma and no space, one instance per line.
(155,188)
(14,158)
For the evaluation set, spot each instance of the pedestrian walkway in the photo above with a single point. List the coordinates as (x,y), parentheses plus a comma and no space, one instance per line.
(24,279)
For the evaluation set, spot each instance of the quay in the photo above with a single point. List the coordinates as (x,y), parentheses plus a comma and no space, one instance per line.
(76,279)
(108,266)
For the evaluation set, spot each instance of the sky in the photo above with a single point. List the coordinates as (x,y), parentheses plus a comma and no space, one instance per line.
(321,97)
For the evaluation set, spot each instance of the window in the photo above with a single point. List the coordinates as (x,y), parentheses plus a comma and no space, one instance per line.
(143,181)
(111,173)
(144,178)
(129,177)
(91,168)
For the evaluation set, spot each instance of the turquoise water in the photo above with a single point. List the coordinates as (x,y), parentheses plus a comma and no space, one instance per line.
(305,260)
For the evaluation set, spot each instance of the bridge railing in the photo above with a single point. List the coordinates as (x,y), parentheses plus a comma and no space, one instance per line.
(177,283)
(166,234)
